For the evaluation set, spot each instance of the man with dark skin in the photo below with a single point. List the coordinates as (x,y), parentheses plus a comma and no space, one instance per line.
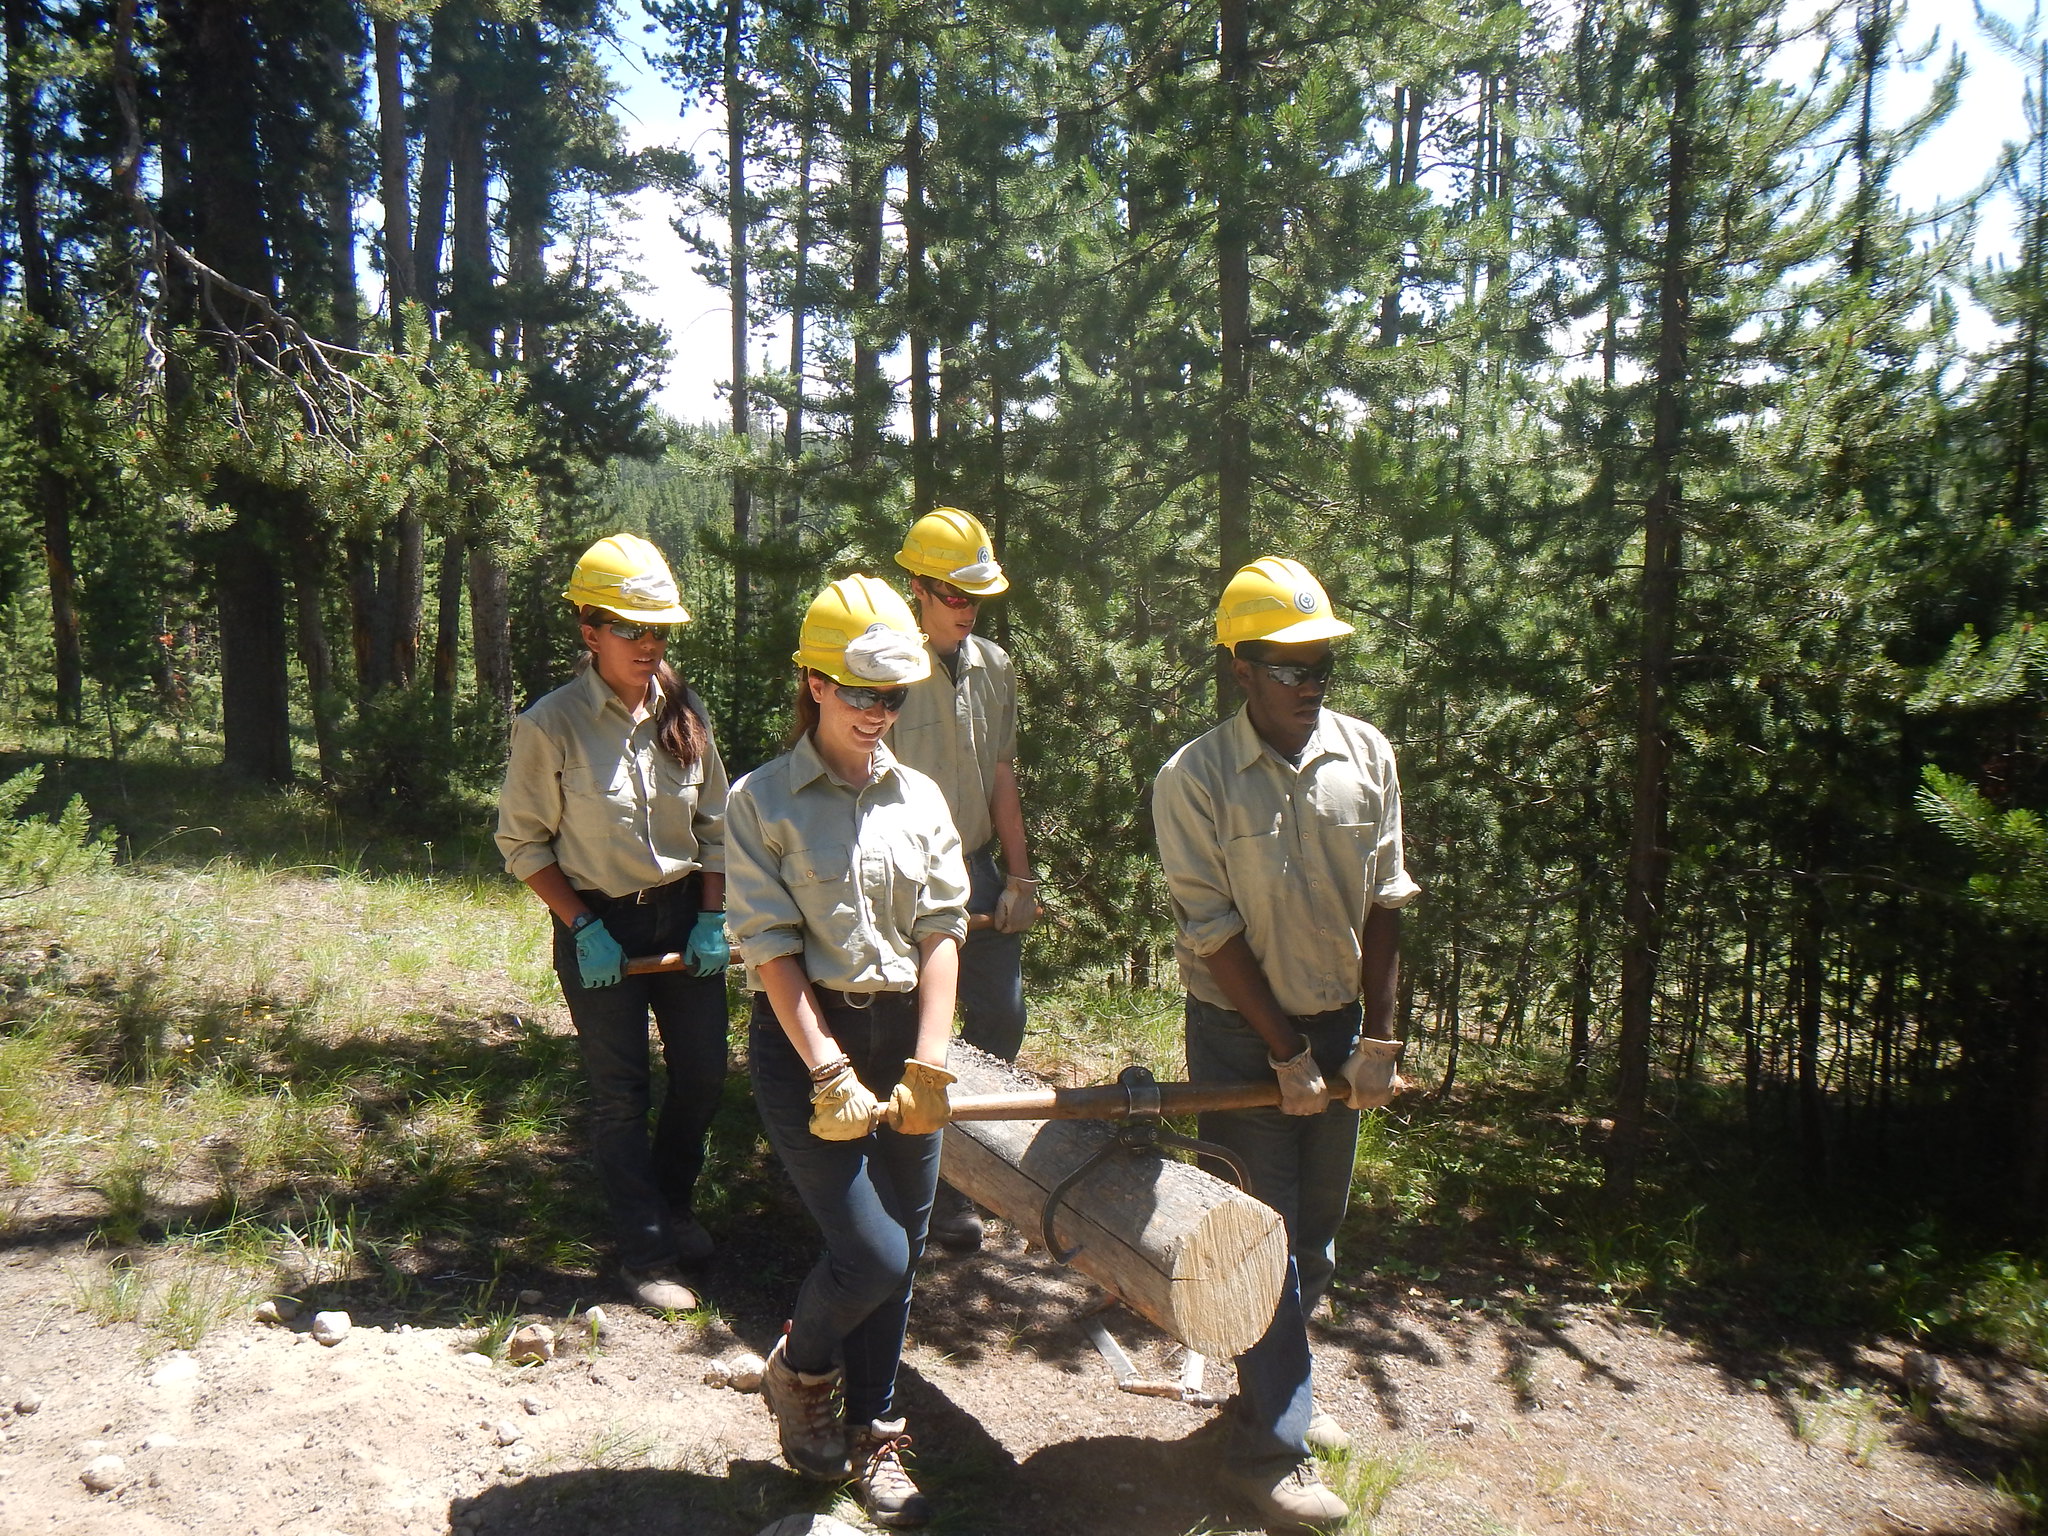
(1280,835)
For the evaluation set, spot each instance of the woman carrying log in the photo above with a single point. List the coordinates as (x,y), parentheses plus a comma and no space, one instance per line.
(849,904)
(613,813)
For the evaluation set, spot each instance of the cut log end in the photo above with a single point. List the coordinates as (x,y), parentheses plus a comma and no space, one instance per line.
(1227,1273)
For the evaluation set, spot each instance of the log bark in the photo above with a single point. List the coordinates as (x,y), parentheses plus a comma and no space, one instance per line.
(1202,1260)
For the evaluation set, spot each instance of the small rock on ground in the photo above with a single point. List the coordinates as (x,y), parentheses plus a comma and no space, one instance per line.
(331,1328)
(809,1525)
(103,1473)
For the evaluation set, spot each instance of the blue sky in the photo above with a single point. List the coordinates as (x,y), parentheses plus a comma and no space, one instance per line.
(1954,160)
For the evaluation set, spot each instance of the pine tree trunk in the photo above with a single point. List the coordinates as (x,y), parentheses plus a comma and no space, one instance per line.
(738,235)
(1649,856)
(437,146)
(395,178)
(923,489)
(49,498)
(490,627)
(799,311)
(399,599)
(1584,936)
(448,589)
(1233,294)
(309,581)
(867,212)
(470,277)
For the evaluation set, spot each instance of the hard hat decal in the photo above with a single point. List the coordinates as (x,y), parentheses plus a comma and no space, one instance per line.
(1305,601)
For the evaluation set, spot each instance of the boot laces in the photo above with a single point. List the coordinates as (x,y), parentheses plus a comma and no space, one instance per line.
(882,1464)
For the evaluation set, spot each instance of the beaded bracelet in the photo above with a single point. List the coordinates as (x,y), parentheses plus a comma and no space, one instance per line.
(825,1070)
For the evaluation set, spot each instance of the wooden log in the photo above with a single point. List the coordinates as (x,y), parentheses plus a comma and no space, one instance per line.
(1195,1255)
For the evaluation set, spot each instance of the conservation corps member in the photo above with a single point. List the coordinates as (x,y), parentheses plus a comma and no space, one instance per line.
(613,813)
(1280,835)
(848,904)
(960,727)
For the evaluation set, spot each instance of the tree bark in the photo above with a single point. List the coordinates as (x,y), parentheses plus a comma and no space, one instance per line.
(738,234)
(490,627)
(395,176)
(309,580)
(923,491)
(1233,295)
(799,309)
(448,590)
(1649,857)
(436,155)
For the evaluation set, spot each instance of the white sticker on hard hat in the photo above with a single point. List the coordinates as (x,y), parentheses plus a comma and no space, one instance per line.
(884,655)
(655,589)
(1305,601)
(981,573)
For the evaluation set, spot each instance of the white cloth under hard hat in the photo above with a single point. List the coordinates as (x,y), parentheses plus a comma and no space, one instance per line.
(980,574)
(884,655)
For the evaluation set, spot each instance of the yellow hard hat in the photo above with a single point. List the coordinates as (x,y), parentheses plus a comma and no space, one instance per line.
(1276,599)
(626,575)
(867,617)
(947,544)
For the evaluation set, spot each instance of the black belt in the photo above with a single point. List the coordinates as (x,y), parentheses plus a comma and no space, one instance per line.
(671,890)
(832,997)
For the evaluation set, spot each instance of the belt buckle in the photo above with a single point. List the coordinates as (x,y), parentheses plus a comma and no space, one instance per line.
(859,999)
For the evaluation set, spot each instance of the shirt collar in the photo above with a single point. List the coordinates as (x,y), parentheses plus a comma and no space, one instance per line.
(1248,746)
(966,655)
(597,693)
(805,764)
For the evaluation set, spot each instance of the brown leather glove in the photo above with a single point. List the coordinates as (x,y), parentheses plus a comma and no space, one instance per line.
(842,1109)
(918,1105)
(1369,1074)
(1301,1083)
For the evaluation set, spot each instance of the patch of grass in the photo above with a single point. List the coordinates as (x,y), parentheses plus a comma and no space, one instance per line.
(617,1446)
(198,1297)
(31,1057)
(2025,1482)
(1365,1481)
(1853,1419)
(110,1291)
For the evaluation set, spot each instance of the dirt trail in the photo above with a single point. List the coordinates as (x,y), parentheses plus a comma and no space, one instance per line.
(1568,1422)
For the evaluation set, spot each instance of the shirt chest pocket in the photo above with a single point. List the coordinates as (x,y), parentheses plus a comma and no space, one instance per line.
(672,814)
(606,791)
(820,880)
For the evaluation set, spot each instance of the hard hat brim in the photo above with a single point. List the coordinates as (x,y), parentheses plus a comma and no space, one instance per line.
(1319,627)
(673,613)
(994,588)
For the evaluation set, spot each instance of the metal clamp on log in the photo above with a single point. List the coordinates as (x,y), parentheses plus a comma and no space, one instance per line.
(1139,1130)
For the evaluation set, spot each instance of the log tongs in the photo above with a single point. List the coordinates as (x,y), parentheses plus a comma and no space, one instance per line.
(1139,1131)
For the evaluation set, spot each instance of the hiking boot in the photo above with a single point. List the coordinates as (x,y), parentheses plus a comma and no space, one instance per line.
(886,1491)
(809,1420)
(1326,1434)
(659,1289)
(1295,1501)
(693,1243)
(955,1224)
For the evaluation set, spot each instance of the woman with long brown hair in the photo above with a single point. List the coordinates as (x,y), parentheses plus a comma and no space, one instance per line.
(613,813)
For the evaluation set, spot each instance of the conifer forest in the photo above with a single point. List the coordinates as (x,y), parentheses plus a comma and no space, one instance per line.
(1585,349)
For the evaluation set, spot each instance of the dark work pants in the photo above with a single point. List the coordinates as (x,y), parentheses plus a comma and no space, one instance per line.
(991,970)
(644,1182)
(871,1198)
(1300,1165)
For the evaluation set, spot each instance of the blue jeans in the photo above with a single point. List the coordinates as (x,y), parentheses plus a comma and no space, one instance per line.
(991,970)
(871,1198)
(1300,1165)
(643,1182)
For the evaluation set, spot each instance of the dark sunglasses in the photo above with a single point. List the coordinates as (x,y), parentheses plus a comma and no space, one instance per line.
(628,631)
(891,699)
(949,594)
(1290,674)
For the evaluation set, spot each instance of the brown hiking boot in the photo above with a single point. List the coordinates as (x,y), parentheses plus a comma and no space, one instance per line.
(1295,1501)
(955,1224)
(809,1419)
(1326,1434)
(886,1491)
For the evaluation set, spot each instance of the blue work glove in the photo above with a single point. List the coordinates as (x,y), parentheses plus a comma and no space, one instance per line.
(707,953)
(598,956)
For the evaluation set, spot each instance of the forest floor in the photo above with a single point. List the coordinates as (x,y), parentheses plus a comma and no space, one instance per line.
(222,1080)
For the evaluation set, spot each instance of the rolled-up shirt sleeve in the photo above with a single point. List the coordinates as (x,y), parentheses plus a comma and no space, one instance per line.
(942,903)
(1191,853)
(1392,886)
(530,804)
(708,821)
(761,915)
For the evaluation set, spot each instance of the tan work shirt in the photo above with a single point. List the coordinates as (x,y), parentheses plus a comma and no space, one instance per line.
(956,732)
(849,880)
(1291,857)
(589,788)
